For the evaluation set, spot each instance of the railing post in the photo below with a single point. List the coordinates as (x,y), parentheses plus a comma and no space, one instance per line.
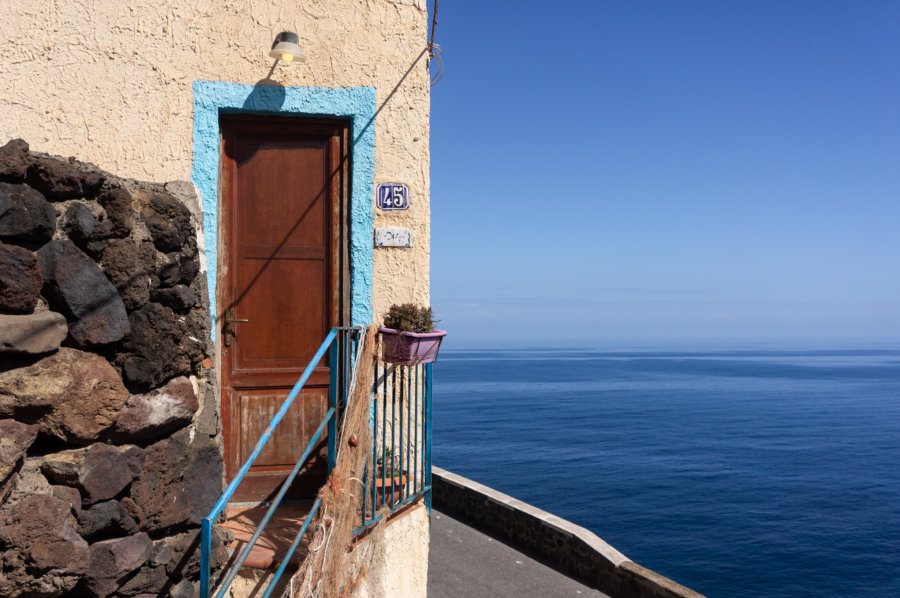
(205,546)
(428,436)
(333,356)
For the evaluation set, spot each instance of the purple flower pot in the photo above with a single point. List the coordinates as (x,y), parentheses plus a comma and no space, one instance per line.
(411,348)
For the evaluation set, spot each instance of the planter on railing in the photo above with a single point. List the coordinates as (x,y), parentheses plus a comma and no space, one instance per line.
(411,348)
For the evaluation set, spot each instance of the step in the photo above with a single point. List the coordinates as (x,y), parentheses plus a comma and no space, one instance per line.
(275,540)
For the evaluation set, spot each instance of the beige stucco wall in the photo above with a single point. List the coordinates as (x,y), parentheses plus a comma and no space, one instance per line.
(390,563)
(395,558)
(110,82)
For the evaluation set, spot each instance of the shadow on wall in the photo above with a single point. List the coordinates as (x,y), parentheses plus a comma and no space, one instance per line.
(267,96)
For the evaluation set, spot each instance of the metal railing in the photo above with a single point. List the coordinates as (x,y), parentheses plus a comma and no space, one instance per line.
(399,471)
(341,343)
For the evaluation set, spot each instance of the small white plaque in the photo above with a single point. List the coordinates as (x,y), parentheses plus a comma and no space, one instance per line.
(393,237)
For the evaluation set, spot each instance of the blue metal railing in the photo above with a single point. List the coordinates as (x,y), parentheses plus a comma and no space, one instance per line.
(399,471)
(340,341)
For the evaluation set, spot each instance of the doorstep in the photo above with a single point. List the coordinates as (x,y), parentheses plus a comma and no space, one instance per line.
(275,540)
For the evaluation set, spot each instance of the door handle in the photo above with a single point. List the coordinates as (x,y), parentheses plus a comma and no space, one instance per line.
(228,329)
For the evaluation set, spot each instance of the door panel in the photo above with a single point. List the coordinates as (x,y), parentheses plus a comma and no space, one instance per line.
(283,247)
(298,425)
(292,337)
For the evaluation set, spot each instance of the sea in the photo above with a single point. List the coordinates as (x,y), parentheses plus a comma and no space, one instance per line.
(760,471)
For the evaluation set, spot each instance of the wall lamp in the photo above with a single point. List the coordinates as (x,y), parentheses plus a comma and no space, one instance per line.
(286,47)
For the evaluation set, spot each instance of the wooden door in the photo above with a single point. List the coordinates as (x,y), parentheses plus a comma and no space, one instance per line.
(283,271)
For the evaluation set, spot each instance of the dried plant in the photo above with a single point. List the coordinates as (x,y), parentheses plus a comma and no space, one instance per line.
(409,317)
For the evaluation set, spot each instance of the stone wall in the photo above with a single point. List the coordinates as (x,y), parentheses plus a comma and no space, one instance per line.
(108,427)
(568,547)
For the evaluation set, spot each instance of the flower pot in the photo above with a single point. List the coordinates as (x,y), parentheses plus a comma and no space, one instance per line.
(389,489)
(411,348)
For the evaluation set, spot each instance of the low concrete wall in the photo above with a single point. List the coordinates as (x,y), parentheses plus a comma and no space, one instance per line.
(564,545)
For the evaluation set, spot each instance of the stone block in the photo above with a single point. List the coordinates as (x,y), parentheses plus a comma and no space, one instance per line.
(131,266)
(184,589)
(118,206)
(70,495)
(167,219)
(60,179)
(7,487)
(42,555)
(29,482)
(15,438)
(158,412)
(179,298)
(20,279)
(14,161)
(112,561)
(84,228)
(77,286)
(180,553)
(161,553)
(71,395)
(207,420)
(106,519)
(148,580)
(100,471)
(161,345)
(179,267)
(133,511)
(180,483)
(80,222)
(33,334)
(26,217)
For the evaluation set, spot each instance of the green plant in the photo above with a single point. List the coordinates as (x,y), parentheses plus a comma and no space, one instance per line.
(384,464)
(409,317)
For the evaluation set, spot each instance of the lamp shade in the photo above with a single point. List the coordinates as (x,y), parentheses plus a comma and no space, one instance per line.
(286,48)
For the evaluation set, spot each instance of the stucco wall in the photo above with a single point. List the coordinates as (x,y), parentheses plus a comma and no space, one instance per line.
(61,59)
(395,559)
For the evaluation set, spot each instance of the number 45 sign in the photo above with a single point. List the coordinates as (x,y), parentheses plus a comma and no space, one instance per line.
(392,196)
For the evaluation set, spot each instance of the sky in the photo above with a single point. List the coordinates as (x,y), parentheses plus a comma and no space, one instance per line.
(666,171)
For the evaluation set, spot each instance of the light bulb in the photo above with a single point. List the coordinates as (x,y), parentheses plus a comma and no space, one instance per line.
(287,57)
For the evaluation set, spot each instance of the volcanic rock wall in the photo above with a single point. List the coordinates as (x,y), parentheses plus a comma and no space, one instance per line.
(108,427)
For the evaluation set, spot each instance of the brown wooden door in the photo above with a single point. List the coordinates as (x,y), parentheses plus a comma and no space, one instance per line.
(283,188)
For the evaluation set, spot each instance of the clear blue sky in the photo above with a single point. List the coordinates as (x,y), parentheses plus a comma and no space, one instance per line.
(667,171)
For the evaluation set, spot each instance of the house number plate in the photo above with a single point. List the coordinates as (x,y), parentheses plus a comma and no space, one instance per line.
(392,196)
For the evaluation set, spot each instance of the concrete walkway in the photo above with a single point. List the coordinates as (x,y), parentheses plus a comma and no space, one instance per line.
(464,562)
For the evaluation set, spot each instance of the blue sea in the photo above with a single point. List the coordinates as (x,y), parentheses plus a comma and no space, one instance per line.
(753,473)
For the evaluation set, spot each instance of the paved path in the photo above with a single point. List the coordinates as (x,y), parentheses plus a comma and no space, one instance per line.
(466,563)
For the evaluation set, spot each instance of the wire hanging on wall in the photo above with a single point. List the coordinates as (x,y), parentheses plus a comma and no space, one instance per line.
(436,53)
(434,50)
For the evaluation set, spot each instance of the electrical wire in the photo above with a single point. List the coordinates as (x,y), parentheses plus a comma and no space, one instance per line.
(439,73)
(433,27)
(434,50)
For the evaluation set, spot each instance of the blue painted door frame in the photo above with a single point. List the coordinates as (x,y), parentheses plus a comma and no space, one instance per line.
(355,104)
